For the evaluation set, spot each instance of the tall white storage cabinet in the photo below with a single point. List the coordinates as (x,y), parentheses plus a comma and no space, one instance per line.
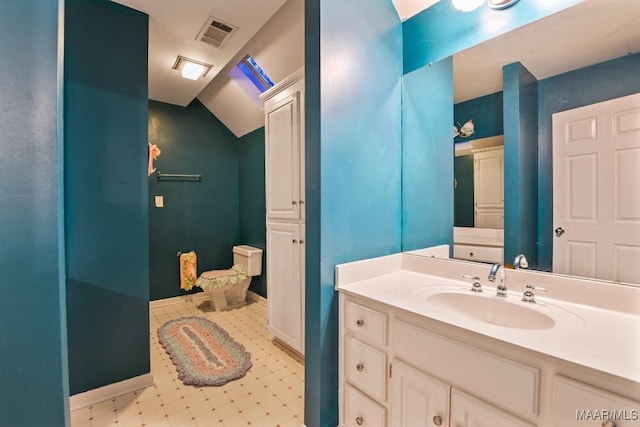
(284,169)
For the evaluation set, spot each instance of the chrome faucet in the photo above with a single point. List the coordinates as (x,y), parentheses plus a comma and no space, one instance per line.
(520,262)
(498,269)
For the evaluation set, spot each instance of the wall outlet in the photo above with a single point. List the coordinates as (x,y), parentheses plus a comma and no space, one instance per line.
(159,201)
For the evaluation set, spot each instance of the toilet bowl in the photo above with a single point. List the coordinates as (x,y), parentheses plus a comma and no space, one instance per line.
(227,289)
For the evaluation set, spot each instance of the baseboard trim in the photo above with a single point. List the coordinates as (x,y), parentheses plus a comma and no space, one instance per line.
(252,296)
(178,300)
(100,394)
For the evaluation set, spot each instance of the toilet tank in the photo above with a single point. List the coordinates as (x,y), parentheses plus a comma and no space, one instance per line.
(250,257)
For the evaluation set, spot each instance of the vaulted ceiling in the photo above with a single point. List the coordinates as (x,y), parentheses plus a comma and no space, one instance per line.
(272,31)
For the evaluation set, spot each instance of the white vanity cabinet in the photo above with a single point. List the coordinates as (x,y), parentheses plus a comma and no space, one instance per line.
(417,399)
(396,374)
(284,181)
(455,359)
(399,369)
(363,365)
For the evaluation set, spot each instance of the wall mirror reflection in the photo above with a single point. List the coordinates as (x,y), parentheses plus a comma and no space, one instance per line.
(587,212)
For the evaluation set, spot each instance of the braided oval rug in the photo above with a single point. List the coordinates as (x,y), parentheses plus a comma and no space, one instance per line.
(203,352)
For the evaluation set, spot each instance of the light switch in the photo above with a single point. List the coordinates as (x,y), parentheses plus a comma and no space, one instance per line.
(159,201)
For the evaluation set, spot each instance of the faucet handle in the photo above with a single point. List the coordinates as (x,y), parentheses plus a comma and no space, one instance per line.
(476,286)
(528,295)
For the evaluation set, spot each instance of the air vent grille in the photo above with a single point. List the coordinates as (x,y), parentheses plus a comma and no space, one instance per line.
(216,32)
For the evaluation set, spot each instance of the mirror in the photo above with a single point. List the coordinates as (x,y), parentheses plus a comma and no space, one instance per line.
(583,55)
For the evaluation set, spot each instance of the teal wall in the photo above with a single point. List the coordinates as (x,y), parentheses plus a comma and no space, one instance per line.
(441,30)
(486,112)
(353,163)
(353,62)
(106,216)
(463,194)
(520,163)
(252,200)
(600,82)
(33,354)
(427,156)
(200,216)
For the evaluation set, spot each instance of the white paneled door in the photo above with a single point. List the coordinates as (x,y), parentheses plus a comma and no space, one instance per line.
(596,190)
(285,295)
(282,164)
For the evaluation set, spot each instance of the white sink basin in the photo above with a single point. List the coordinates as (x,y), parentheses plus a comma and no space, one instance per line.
(493,310)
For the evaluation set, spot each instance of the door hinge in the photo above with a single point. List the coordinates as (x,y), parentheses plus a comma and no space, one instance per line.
(390,370)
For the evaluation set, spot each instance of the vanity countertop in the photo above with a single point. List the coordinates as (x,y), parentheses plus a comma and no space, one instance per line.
(595,337)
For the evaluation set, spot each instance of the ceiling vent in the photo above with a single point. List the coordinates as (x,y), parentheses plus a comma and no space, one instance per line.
(216,32)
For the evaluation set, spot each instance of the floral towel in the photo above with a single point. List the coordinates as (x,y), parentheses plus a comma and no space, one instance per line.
(188,270)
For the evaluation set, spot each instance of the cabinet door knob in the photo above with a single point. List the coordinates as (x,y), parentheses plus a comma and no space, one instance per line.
(301,202)
(360,323)
(360,367)
(293,202)
(437,420)
(359,421)
(301,241)
(295,241)
(609,423)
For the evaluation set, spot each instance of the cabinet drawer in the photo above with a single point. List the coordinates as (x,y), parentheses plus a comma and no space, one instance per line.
(467,411)
(365,367)
(581,405)
(366,323)
(478,253)
(504,382)
(360,411)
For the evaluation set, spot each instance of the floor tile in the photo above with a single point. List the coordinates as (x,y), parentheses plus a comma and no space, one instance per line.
(269,395)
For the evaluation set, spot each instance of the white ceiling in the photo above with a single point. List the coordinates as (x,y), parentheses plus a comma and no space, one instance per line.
(173,29)
(272,31)
(588,33)
(407,8)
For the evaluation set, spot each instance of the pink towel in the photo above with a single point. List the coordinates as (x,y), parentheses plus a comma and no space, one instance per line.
(188,270)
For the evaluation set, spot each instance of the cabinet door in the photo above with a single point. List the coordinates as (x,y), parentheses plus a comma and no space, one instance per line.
(282,158)
(417,399)
(581,405)
(284,283)
(488,172)
(467,411)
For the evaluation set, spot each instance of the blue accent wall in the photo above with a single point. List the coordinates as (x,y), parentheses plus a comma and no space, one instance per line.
(441,30)
(520,163)
(353,163)
(463,194)
(252,200)
(200,216)
(33,355)
(486,112)
(427,156)
(597,83)
(106,214)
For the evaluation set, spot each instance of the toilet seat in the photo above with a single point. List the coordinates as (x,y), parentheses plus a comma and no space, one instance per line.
(216,279)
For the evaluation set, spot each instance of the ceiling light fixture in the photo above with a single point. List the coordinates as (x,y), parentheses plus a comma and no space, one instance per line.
(470,5)
(190,68)
(467,5)
(501,4)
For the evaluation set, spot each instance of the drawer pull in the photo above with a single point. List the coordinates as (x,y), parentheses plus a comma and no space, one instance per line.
(360,367)
(360,323)
(359,421)
(609,423)
(437,420)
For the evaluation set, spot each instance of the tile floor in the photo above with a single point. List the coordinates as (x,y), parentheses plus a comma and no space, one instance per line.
(270,394)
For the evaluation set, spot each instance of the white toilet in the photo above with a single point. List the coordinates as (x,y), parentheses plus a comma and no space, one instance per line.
(228,288)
